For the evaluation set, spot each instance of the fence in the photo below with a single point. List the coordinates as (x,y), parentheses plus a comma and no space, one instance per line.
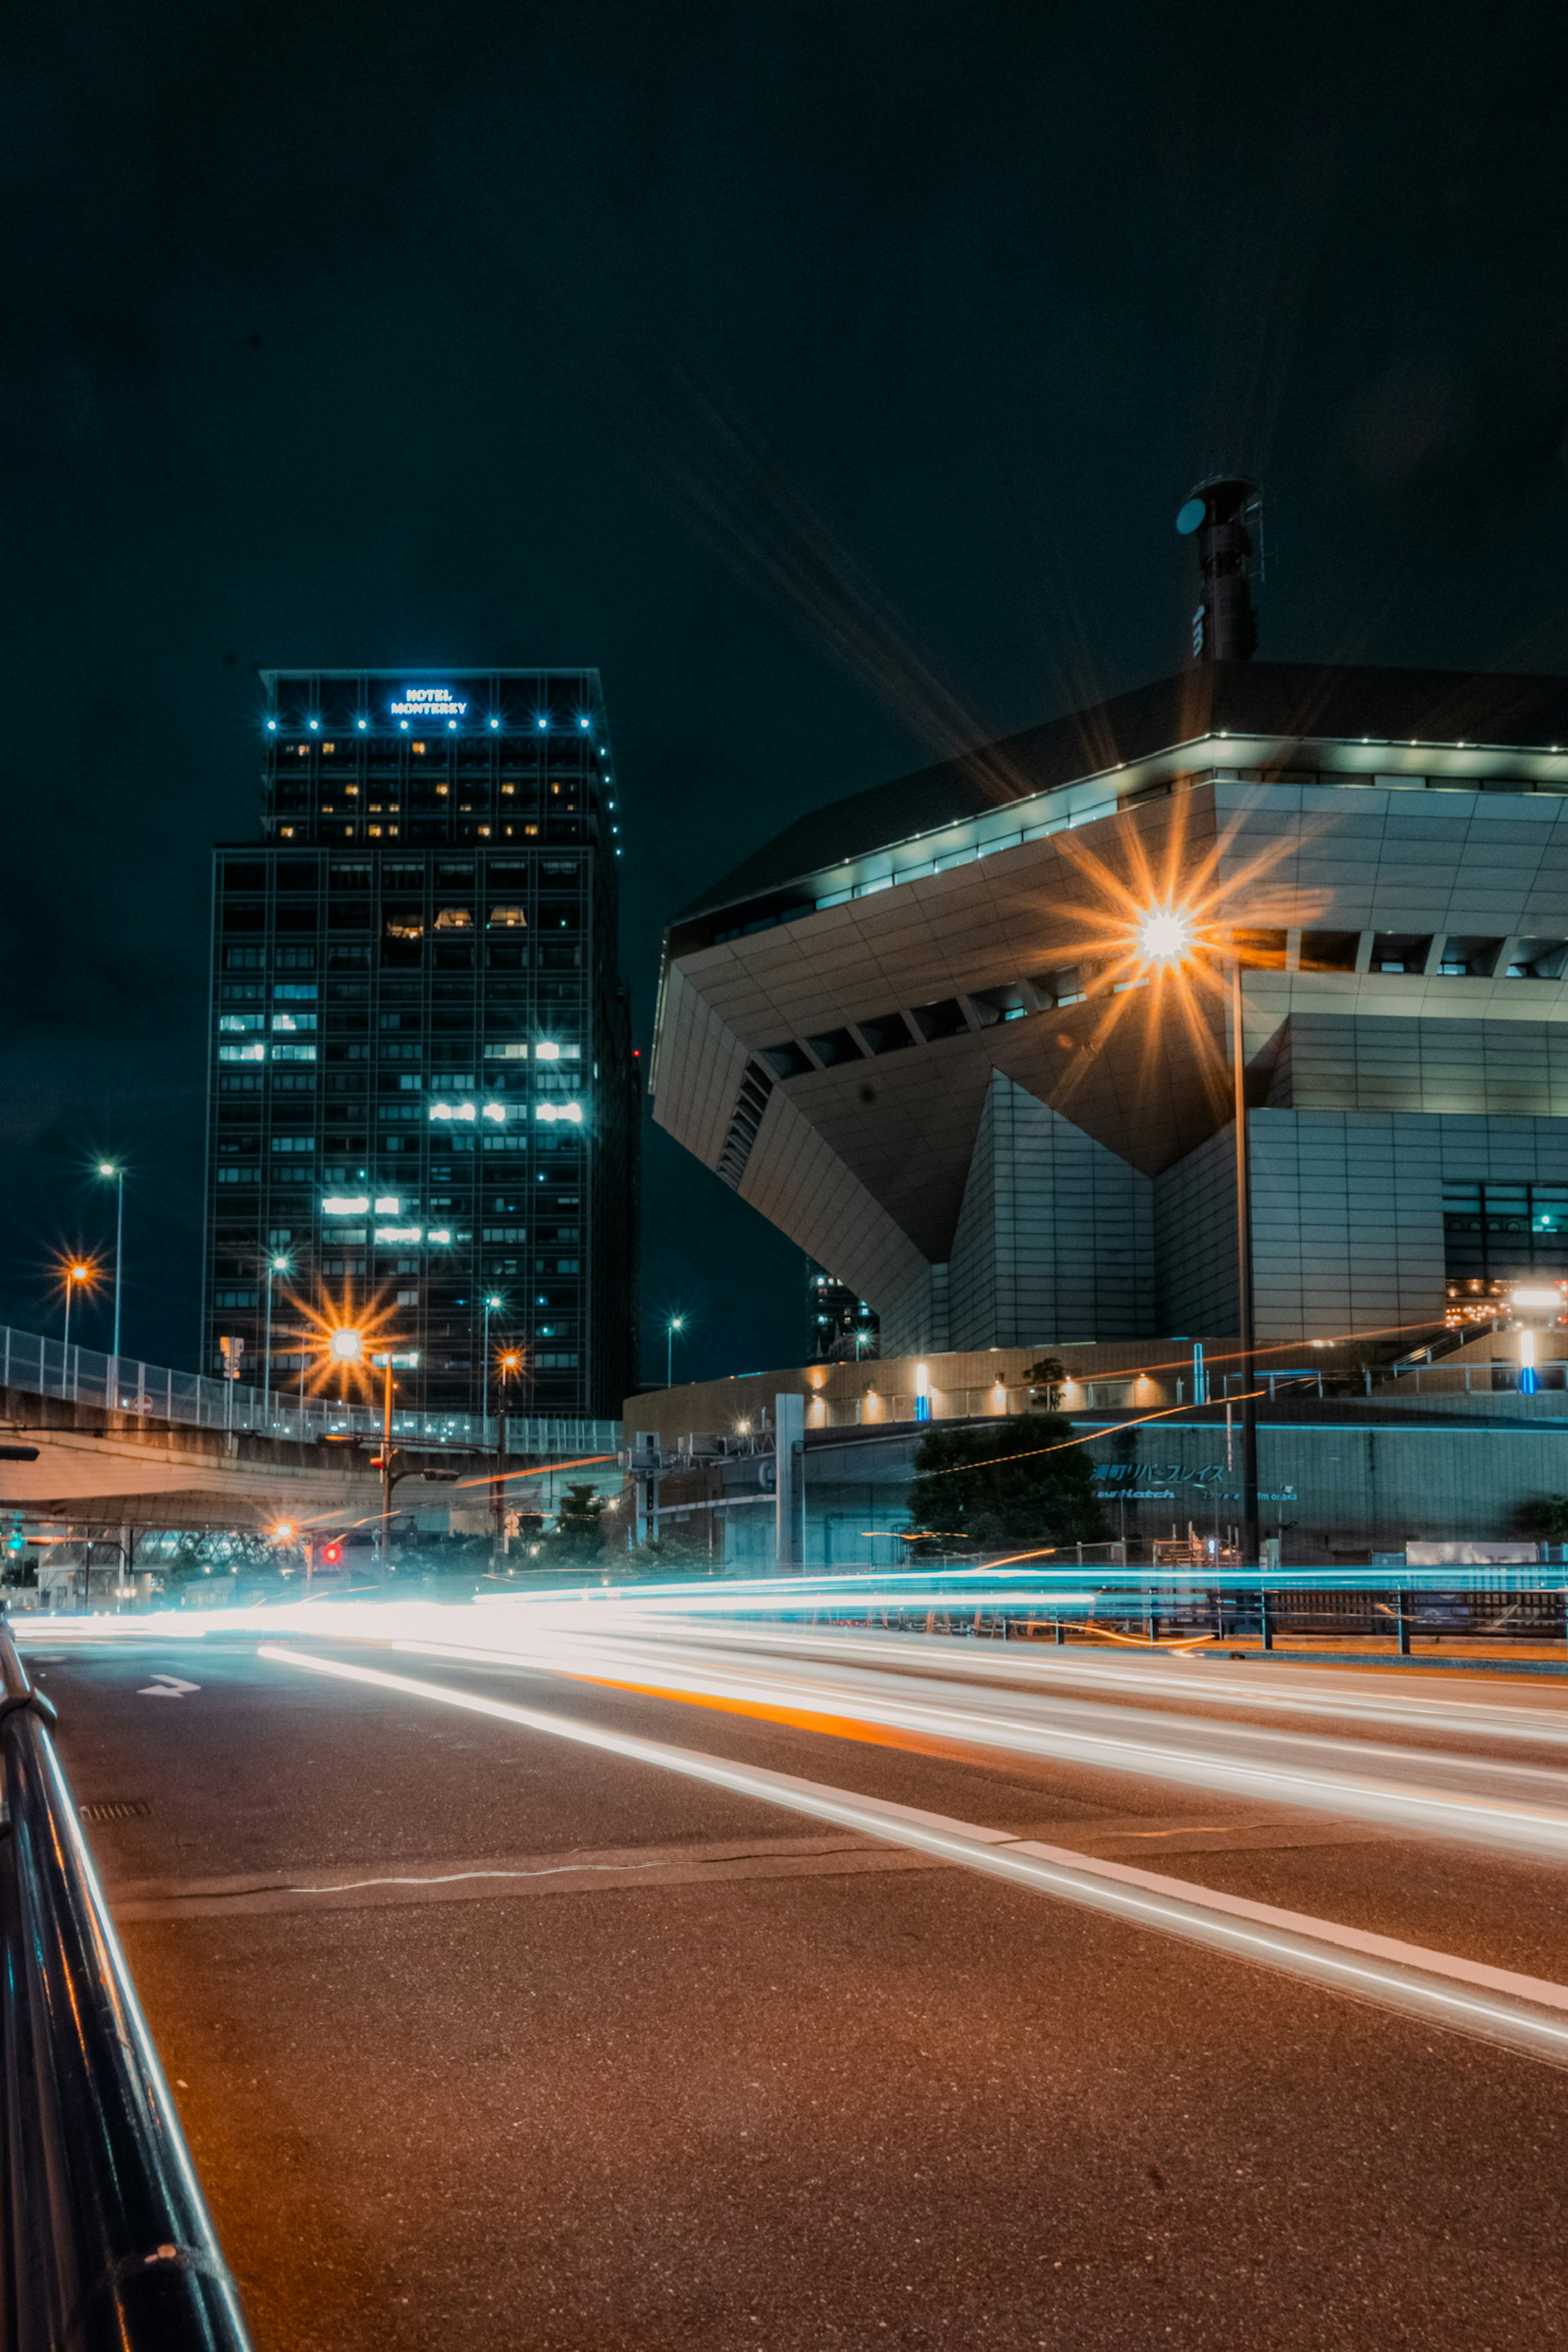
(124,1384)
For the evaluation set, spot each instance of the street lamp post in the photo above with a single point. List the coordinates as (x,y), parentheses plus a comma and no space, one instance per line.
(676,1323)
(77,1272)
(1166,935)
(347,1346)
(493,1303)
(115,1174)
(1251,1538)
(386,1462)
(508,1364)
(274,1265)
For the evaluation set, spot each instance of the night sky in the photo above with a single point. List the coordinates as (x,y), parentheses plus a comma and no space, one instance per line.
(828,375)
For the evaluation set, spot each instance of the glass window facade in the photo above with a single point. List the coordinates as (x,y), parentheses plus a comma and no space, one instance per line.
(1496,1234)
(377,962)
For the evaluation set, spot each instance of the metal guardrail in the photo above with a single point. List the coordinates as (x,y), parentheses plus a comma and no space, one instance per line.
(1263,1614)
(125,1384)
(107,2239)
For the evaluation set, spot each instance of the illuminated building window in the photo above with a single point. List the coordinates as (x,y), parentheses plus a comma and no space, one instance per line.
(303,750)
(443,790)
(417,747)
(376,808)
(509,788)
(351,792)
(287,831)
(508,919)
(530,829)
(392,828)
(329,747)
(326,808)
(375,829)
(453,918)
(484,831)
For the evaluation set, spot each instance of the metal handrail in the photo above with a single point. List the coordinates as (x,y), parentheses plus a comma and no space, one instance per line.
(41,1367)
(107,2239)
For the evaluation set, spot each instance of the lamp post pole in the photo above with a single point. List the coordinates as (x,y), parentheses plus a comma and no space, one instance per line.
(1251,1545)
(387,1466)
(118,1173)
(676,1323)
(491,1303)
(274,1265)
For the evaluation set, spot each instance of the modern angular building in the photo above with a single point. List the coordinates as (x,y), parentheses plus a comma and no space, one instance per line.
(422,1087)
(917,1030)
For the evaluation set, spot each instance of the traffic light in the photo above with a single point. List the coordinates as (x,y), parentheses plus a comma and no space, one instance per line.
(16,1541)
(331,1555)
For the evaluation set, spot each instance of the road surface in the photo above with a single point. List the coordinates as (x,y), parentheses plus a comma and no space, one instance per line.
(489,2039)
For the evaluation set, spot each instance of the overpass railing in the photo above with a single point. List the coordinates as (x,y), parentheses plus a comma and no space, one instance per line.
(107,2239)
(124,1384)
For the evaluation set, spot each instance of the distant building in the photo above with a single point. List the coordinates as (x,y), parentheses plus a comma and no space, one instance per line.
(421,1080)
(840,1327)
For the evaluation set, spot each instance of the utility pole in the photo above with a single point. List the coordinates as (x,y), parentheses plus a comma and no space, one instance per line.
(114,1172)
(1251,1542)
(386,1469)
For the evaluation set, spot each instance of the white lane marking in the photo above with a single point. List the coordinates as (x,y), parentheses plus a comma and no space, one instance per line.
(451,1877)
(1385,1969)
(166,1686)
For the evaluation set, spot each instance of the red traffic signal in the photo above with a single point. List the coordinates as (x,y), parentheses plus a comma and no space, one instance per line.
(331,1555)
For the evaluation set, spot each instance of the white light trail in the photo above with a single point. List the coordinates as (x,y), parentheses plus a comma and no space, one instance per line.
(1526,2013)
(1345,1778)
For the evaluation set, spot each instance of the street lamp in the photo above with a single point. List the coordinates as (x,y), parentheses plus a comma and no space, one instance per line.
(509,1364)
(115,1174)
(676,1323)
(1165,934)
(79,1271)
(274,1265)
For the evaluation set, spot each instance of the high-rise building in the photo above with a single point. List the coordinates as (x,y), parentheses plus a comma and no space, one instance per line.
(422,1088)
(840,1326)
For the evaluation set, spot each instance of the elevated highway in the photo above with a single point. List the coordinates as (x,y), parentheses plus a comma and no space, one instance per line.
(90,1441)
(97,1464)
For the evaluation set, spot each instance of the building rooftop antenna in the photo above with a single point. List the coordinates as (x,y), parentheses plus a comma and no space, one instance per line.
(1227,515)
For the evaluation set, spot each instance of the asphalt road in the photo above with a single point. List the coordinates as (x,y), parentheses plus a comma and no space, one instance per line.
(687,2068)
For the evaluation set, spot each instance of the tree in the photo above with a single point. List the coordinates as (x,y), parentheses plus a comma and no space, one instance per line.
(577,1518)
(1022,1483)
(1045,1380)
(1546,1516)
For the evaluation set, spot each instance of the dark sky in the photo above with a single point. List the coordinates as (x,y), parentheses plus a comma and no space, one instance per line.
(827,374)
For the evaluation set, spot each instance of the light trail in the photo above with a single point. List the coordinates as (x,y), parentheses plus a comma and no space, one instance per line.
(1345,1778)
(1527,2013)
(1503,1714)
